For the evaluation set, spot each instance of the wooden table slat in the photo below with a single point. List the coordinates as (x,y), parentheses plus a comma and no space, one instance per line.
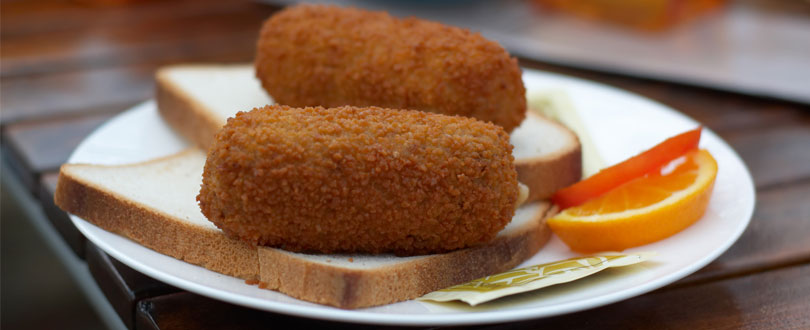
(45,145)
(75,92)
(59,219)
(150,40)
(776,237)
(91,90)
(122,285)
(775,156)
(23,19)
(191,311)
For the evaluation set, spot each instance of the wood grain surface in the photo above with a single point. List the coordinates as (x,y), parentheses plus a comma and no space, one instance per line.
(68,66)
(775,238)
(190,311)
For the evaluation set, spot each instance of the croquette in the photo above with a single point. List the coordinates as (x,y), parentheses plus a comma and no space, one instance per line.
(312,55)
(364,180)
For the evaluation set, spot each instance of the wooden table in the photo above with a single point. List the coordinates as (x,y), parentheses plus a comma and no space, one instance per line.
(69,66)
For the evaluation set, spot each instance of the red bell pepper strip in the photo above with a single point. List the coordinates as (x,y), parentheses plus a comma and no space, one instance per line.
(632,168)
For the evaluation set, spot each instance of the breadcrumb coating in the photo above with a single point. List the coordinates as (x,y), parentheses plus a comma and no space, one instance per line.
(312,55)
(366,180)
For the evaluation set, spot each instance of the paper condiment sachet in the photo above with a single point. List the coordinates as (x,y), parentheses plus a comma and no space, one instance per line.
(533,278)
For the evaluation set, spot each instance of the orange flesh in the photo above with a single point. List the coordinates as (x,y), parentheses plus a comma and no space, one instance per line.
(641,192)
(641,211)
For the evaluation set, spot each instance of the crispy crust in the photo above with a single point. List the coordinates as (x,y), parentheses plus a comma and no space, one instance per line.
(184,113)
(357,288)
(313,55)
(353,179)
(154,229)
(549,173)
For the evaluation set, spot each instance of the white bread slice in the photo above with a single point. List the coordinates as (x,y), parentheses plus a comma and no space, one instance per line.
(153,203)
(197,100)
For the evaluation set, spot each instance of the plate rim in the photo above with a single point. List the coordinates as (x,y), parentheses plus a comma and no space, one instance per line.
(467,318)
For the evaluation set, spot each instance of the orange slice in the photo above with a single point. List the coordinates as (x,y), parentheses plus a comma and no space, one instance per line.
(641,211)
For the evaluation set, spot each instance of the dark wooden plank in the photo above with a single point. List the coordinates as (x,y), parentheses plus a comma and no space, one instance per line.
(92,90)
(43,146)
(775,156)
(173,45)
(26,18)
(101,57)
(58,218)
(778,236)
(726,112)
(63,94)
(771,300)
(122,285)
(154,38)
(775,299)
(190,311)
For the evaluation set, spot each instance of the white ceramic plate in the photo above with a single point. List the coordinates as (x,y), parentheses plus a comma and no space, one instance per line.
(622,124)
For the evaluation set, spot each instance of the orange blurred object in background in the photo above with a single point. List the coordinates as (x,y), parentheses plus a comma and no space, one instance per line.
(648,15)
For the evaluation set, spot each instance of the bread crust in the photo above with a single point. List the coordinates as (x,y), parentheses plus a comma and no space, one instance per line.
(358,288)
(546,174)
(184,113)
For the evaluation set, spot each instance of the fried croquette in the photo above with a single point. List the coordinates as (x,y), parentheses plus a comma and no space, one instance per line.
(312,55)
(365,180)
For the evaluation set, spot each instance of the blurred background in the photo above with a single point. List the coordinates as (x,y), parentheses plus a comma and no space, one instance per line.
(755,47)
